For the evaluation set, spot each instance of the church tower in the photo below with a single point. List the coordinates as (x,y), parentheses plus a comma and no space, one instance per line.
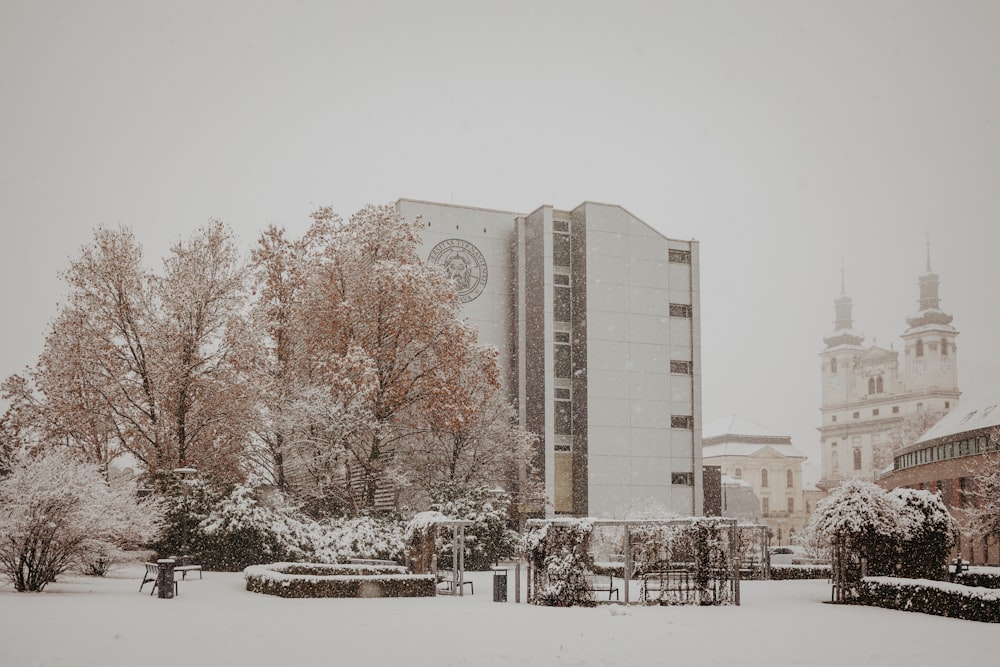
(842,349)
(839,361)
(929,343)
(871,401)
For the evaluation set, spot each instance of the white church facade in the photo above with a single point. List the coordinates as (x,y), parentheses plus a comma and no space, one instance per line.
(868,391)
(597,319)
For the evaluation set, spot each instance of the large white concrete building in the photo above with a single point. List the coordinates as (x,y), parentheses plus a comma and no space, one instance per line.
(596,316)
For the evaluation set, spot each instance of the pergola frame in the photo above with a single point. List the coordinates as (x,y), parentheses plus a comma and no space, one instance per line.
(733,526)
(457,527)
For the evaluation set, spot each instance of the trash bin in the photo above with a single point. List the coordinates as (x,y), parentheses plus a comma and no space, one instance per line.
(499,584)
(165,578)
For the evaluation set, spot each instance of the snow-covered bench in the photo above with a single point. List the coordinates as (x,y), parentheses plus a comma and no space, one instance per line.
(153,572)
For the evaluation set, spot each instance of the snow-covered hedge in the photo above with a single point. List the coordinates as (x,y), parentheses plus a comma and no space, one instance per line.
(982,579)
(930,597)
(785,572)
(317,580)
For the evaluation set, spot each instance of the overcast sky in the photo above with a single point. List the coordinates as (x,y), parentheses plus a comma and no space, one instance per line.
(789,138)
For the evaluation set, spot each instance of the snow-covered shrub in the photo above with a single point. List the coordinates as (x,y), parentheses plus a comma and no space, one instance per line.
(559,555)
(488,540)
(930,597)
(364,536)
(56,511)
(904,532)
(241,531)
(313,580)
(925,550)
(870,523)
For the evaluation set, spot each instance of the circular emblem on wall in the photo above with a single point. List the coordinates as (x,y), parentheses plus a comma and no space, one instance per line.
(464,264)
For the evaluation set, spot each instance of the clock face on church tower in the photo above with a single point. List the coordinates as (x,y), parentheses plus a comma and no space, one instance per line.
(945,366)
(834,382)
(920,367)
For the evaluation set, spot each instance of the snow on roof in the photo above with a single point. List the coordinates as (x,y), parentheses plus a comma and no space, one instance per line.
(736,436)
(735,425)
(747,449)
(981,410)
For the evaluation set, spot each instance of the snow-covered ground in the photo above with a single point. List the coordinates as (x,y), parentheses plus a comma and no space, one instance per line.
(85,621)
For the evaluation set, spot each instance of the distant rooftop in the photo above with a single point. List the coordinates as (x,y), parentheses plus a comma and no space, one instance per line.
(736,436)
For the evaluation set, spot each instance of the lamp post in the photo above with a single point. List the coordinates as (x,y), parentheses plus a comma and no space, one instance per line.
(186,475)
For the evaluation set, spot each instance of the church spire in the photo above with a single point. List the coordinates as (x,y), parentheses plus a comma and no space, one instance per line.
(843,332)
(930,303)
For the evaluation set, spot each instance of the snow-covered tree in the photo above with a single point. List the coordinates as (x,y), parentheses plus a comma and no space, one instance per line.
(905,433)
(57,511)
(371,296)
(149,364)
(862,517)
(984,515)
(471,440)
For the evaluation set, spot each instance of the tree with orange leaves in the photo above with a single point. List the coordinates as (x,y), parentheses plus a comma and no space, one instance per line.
(152,365)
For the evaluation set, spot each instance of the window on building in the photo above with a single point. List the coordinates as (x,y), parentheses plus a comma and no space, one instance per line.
(879,385)
(682,421)
(560,226)
(871,385)
(856,415)
(682,478)
(857,458)
(944,347)
(947,405)
(920,348)
(789,478)
(765,505)
(680,367)
(895,409)
(738,473)
(833,365)
(763,477)
(563,357)
(791,505)
(679,256)
(962,491)
(833,418)
(874,412)
(562,306)
(560,250)
(680,310)
(564,412)
(834,458)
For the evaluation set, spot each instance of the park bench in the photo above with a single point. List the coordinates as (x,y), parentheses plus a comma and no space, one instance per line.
(666,584)
(153,571)
(445,577)
(599,583)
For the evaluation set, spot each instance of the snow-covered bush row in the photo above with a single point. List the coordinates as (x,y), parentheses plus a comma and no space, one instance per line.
(315,580)
(930,597)
(57,512)
(980,579)
(785,572)
(232,532)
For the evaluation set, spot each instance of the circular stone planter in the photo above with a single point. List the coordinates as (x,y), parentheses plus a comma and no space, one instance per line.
(319,580)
